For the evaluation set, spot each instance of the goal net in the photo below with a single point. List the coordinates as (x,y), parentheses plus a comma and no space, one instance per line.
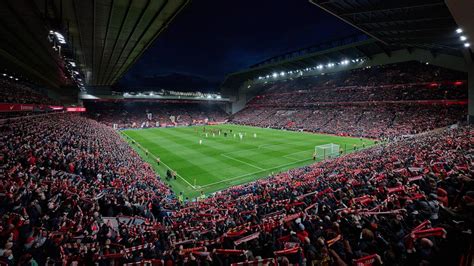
(326,151)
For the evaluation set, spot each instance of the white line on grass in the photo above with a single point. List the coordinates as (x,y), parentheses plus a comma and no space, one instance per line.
(249,164)
(240,176)
(160,161)
(289,154)
(263,146)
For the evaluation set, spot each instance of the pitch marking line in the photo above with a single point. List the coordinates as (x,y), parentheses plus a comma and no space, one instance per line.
(251,149)
(263,146)
(240,176)
(288,155)
(160,161)
(224,154)
(249,164)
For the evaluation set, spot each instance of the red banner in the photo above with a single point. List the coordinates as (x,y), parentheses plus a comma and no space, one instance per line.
(76,109)
(16,107)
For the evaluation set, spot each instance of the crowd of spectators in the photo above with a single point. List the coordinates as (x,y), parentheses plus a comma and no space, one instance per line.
(20,93)
(370,76)
(67,179)
(278,94)
(60,173)
(377,102)
(5,115)
(74,192)
(154,114)
(371,121)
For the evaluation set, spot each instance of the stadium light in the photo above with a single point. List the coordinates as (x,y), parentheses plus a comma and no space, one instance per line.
(275,75)
(209,96)
(16,79)
(463,38)
(320,67)
(466,44)
(218,97)
(330,64)
(60,37)
(344,62)
(282,73)
(458,30)
(4,74)
(259,77)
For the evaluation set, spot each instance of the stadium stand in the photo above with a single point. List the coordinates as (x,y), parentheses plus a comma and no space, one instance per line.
(377,102)
(75,191)
(20,93)
(152,114)
(64,191)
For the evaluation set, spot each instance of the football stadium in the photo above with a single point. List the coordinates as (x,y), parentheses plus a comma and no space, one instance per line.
(290,132)
(210,158)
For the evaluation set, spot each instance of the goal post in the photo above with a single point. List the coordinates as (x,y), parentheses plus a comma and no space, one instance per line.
(326,151)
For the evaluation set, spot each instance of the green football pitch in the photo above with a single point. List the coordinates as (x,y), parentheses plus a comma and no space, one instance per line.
(223,161)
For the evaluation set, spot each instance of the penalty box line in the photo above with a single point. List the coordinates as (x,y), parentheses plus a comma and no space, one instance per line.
(235,159)
(155,157)
(263,146)
(240,176)
(259,147)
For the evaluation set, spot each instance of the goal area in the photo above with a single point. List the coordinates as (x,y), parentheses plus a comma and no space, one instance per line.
(326,151)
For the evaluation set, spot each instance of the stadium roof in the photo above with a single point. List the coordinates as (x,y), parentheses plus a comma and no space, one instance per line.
(103,37)
(24,48)
(388,26)
(334,51)
(424,24)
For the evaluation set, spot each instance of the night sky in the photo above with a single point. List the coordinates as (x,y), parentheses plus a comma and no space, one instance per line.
(212,38)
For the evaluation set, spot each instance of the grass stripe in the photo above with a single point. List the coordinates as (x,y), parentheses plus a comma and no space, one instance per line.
(223,161)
